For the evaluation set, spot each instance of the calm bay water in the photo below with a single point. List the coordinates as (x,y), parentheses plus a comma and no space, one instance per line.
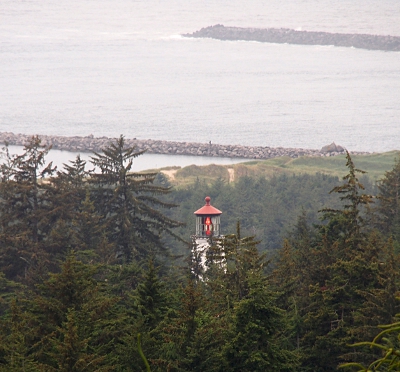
(111,67)
(141,163)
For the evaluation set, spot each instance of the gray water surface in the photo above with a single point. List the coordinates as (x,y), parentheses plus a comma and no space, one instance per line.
(111,67)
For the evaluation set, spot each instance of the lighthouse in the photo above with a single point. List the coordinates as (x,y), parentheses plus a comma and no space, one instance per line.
(208,222)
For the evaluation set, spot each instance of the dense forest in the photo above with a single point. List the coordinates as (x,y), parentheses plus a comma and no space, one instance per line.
(99,273)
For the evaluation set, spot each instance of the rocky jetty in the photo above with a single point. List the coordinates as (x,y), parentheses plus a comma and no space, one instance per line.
(93,144)
(289,36)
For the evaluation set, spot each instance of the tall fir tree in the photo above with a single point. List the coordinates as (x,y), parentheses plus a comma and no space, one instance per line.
(69,191)
(254,340)
(128,202)
(388,206)
(351,275)
(26,211)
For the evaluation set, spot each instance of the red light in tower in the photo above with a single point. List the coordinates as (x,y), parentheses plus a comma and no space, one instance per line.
(208,225)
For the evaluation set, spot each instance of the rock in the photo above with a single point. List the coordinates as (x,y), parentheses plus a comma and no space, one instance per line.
(289,36)
(332,148)
(90,144)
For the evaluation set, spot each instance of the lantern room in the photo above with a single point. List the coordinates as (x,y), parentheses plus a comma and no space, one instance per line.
(208,220)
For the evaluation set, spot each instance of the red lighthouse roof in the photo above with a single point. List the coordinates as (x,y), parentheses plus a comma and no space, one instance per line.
(208,209)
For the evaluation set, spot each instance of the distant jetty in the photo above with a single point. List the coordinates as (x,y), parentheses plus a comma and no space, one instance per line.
(93,144)
(290,36)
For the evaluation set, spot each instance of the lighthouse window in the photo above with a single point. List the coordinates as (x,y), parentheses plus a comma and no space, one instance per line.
(207,226)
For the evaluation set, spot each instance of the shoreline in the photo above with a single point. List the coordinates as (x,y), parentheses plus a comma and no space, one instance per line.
(90,144)
(290,36)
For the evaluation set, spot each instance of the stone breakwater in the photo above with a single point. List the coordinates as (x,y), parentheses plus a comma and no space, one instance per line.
(289,36)
(96,144)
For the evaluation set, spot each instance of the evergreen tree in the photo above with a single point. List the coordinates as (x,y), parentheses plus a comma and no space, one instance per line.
(388,207)
(241,257)
(88,236)
(68,323)
(175,332)
(128,203)
(8,290)
(191,336)
(387,344)
(289,283)
(350,276)
(346,225)
(150,298)
(69,194)
(255,341)
(26,210)
(71,352)
(16,340)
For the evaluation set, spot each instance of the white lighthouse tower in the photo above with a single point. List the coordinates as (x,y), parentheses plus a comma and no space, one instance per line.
(208,224)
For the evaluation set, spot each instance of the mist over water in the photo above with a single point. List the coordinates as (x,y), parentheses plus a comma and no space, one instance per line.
(120,67)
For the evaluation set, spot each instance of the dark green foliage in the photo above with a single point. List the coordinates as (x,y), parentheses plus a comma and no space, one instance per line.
(188,336)
(26,211)
(70,196)
(128,202)
(71,353)
(150,298)
(139,346)
(8,289)
(69,323)
(342,279)
(16,341)
(254,340)
(388,206)
(387,343)
(242,260)
(346,224)
(265,207)
(85,268)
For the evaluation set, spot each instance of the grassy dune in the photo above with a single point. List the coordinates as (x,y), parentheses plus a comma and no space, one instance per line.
(374,164)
